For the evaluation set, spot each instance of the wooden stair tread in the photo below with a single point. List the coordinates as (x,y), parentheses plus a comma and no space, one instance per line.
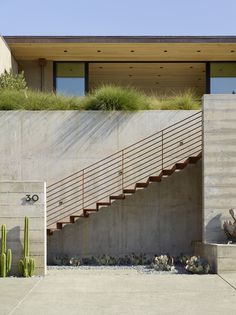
(60,224)
(194,159)
(51,230)
(141,185)
(103,203)
(118,197)
(74,217)
(64,222)
(129,191)
(168,172)
(155,178)
(181,166)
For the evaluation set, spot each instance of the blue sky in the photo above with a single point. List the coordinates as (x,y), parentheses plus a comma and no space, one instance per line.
(120,17)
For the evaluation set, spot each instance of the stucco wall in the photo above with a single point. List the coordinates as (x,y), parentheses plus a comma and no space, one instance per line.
(164,218)
(13,209)
(49,145)
(32,74)
(219,152)
(7,61)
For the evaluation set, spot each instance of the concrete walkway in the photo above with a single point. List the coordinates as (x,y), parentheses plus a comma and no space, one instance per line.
(118,291)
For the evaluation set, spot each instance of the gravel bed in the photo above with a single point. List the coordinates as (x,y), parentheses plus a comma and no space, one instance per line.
(140,269)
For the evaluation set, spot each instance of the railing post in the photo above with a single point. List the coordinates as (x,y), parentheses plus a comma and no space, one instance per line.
(162,151)
(122,170)
(83,189)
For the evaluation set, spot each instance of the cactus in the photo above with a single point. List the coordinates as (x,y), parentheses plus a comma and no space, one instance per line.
(163,263)
(3,265)
(197,265)
(6,255)
(27,264)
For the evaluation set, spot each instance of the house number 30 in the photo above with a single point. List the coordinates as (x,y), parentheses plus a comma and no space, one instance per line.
(33,198)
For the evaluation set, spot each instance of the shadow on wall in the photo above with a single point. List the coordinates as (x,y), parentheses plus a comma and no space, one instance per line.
(213,229)
(83,129)
(14,243)
(164,218)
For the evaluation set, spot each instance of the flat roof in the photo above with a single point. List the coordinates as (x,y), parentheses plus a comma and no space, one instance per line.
(124,48)
(120,39)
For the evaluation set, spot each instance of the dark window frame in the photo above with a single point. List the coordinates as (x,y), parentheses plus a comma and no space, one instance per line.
(86,69)
(86,74)
(209,72)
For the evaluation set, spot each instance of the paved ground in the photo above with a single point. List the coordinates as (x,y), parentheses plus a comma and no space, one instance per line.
(118,291)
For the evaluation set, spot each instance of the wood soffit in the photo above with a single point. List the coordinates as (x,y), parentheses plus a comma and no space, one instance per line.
(124,48)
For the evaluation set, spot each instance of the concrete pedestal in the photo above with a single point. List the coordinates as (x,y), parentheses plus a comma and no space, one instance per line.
(221,257)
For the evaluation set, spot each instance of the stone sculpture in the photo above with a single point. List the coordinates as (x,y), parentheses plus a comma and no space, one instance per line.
(230,227)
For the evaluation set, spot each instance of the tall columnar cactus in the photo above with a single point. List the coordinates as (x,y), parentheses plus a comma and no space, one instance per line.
(26,265)
(6,255)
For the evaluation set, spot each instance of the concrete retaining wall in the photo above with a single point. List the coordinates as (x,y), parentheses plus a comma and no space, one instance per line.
(50,145)
(13,209)
(164,218)
(7,61)
(219,164)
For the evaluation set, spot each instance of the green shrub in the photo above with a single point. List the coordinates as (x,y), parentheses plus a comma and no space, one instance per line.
(154,102)
(105,98)
(185,100)
(33,100)
(11,81)
(103,260)
(110,97)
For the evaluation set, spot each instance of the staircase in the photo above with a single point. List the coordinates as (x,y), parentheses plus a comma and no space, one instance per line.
(121,174)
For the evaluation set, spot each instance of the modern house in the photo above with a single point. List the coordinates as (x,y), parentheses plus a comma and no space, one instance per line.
(158,180)
(155,64)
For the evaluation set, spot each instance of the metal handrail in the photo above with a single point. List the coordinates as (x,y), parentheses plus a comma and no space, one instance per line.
(132,145)
(124,168)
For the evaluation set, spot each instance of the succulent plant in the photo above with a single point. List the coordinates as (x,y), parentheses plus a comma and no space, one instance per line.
(197,265)
(27,264)
(107,260)
(57,260)
(103,260)
(163,263)
(6,254)
(182,259)
(74,261)
(61,260)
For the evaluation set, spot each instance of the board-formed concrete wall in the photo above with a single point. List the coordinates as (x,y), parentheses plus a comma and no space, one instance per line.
(7,61)
(219,164)
(13,209)
(221,257)
(50,145)
(164,218)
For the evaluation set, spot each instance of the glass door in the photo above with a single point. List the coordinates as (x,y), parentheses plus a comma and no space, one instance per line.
(69,78)
(223,78)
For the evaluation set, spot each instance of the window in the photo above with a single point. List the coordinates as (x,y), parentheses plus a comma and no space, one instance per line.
(70,78)
(223,78)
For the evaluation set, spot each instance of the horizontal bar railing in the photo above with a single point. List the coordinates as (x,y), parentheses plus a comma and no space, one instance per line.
(166,130)
(123,169)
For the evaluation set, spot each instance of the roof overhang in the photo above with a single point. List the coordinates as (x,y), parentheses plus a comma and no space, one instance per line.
(124,48)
